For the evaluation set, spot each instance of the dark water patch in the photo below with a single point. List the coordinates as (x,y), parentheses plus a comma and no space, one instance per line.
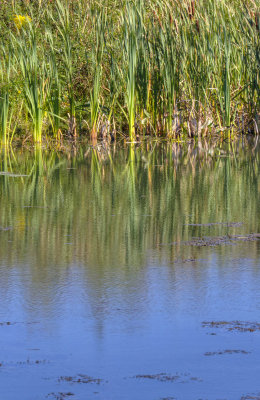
(221,352)
(251,397)
(239,326)
(33,349)
(80,378)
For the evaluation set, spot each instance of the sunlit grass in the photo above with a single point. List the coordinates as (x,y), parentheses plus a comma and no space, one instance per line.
(160,68)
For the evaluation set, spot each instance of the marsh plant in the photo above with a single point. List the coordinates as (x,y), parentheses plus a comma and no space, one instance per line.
(161,68)
(5,68)
(97,57)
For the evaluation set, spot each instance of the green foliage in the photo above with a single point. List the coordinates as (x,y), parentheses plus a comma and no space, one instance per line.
(161,67)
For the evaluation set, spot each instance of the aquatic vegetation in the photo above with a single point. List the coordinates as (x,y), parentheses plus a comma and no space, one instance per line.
(162,68)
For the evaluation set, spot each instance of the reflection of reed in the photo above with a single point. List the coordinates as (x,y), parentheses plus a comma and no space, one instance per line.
(113,208)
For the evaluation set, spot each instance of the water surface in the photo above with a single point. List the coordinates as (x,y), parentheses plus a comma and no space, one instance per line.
(130,273)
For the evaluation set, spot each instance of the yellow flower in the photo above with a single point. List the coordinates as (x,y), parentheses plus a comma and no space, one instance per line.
(21,20)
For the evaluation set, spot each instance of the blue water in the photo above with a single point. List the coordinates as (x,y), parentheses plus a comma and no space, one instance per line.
(96,286)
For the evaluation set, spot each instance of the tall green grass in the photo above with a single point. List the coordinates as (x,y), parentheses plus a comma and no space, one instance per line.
(5,67)
(160,68)
(34,78)
(97,59)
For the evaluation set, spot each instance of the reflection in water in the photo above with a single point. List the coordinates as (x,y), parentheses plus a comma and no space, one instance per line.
(102,238)
(112,209)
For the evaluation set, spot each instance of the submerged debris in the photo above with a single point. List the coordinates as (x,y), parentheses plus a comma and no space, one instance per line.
(164,377)
(26,362)
(239,326)
(214,353)
(32,362)
(60,395)
(7,323)
(80,378)
(168,398)
(220,240)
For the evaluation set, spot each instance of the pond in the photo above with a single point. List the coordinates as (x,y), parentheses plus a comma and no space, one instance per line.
(130,273)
